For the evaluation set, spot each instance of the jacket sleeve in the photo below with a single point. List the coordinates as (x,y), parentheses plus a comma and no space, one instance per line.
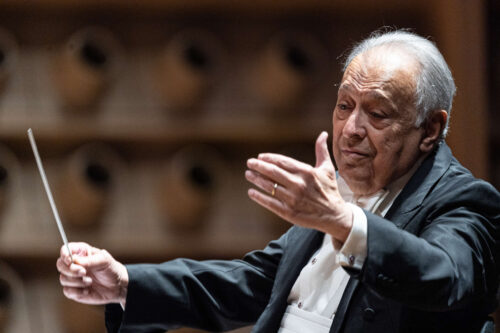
(449,261)
(212,295)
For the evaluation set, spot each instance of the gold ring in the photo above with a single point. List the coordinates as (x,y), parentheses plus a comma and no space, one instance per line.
(275,186)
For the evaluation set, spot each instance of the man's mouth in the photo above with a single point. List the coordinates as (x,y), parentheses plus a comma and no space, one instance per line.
(353,153)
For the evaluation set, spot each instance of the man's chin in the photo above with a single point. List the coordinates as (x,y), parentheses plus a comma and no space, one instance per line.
(359,182)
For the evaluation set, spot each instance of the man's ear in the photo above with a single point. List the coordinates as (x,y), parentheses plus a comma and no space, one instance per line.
(434,127)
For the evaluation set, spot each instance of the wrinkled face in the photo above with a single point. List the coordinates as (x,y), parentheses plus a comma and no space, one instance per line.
(375,140)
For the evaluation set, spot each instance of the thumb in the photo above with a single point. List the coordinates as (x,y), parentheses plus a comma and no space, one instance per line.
(95,260)
(323,158)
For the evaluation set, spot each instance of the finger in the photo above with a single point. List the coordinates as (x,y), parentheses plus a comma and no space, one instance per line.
(61,265)
(287,163)
(72,270)
(274,173)
(84,295)
(64,255)
(77,294)
(267,185)
(76,248)
(98,259)
(79,282)
(274,205)
(323,158)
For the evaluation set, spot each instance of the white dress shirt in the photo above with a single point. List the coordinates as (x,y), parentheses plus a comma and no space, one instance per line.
(316,294)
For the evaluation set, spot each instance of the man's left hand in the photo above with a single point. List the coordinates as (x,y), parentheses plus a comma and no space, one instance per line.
(300,193)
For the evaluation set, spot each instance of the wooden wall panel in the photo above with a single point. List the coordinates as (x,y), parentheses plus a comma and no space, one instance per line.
(145,131)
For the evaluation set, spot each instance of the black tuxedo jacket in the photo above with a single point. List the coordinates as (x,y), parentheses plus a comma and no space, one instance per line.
(432,266)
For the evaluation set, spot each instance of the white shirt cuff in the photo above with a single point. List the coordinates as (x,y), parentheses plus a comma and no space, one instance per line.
(352,253)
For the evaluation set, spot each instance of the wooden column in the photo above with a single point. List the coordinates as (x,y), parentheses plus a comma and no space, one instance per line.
(460,34)
(459,30)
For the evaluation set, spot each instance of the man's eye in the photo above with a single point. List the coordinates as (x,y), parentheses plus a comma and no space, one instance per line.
(377,115)
(342,107)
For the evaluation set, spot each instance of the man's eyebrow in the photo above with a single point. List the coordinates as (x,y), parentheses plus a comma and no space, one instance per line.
(379,96)
(372,93)
(344,86)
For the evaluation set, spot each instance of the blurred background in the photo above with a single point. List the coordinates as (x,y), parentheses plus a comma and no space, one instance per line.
(146,111)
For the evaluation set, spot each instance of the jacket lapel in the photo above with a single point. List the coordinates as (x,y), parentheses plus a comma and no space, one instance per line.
(344,304)
(300,247)
(402,210)
(419,186)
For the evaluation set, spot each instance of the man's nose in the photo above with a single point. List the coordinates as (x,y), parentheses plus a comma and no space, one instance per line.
(354,126)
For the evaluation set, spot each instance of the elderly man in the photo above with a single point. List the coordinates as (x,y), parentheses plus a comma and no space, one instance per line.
(402,239)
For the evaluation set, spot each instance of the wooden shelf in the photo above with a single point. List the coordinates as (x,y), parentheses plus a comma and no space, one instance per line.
(215,5)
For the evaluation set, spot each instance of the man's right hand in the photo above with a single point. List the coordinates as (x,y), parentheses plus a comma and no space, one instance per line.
(94,276)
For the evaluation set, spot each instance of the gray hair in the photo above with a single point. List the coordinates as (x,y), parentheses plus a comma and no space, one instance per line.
(435,85)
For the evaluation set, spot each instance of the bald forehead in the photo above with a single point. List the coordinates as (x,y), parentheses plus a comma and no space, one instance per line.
(388,60)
